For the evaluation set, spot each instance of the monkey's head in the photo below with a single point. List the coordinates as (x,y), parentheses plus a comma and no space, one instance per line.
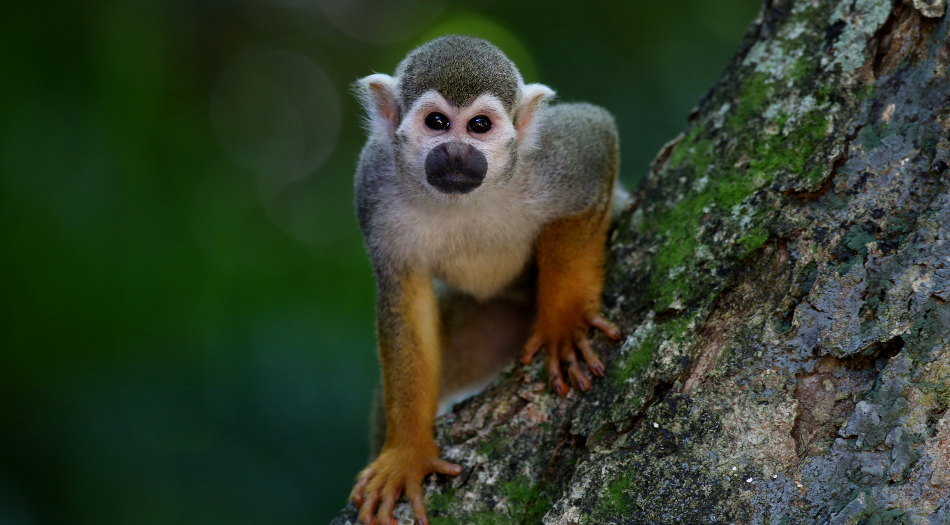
(457,114)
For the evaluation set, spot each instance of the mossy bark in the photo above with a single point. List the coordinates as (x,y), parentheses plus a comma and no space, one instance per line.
(782,276)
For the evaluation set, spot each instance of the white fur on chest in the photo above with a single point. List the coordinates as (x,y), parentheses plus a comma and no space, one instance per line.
(476,247)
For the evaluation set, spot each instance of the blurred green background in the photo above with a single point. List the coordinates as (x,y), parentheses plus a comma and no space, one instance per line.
(187,326)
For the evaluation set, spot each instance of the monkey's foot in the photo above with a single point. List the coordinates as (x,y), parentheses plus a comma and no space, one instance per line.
(562,347)
(395,471)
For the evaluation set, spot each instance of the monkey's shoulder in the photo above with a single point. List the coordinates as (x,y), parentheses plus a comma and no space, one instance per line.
(577,136)
(579,124)
(577,155)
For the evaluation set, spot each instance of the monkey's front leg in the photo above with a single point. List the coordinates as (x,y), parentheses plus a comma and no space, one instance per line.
(570,281)
(408,332)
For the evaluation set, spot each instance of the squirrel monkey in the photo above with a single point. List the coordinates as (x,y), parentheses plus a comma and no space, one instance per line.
(470,190)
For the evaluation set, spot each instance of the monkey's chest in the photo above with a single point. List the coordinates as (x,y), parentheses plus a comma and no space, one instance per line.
(479,254)
(486,272)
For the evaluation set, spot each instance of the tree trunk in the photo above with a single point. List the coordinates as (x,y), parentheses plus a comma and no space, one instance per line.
(782,276)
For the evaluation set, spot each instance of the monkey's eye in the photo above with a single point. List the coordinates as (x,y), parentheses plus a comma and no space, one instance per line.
(479,124)
(437,121)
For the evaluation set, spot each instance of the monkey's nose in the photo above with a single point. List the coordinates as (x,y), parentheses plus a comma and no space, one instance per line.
(456,152)
(455,167)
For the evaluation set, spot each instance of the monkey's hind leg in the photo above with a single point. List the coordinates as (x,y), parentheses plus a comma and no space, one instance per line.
(570,281)
(480,339)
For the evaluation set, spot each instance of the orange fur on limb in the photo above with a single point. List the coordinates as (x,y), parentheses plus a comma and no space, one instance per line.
(570,259)
(411,361)
(408,331)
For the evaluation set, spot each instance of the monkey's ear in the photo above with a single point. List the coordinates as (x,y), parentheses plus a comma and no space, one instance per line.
(528,117)
(378,95)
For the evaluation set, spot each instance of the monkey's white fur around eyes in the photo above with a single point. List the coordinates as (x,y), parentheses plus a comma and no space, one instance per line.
(418,140)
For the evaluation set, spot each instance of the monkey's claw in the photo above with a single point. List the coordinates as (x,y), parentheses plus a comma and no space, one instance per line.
(562,349)
(395,471)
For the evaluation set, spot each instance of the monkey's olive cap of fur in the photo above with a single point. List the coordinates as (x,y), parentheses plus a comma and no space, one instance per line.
(460,68)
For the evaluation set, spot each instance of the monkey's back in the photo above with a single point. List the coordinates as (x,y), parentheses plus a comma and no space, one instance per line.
(577,156)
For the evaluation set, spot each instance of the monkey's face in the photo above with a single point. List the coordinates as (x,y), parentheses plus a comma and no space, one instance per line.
(455,150)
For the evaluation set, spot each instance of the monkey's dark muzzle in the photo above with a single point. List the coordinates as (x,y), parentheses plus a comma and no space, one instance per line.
(455,167)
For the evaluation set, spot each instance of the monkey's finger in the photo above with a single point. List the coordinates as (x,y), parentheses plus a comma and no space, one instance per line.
(574,372)
(578,379)
(390,494)
(444,467)
(531,348)
(592,359)
(368,509)
(414,494)
(357,493)
(605,326)
(554,371)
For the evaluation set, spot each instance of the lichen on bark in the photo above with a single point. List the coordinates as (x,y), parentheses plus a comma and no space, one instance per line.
(782,276)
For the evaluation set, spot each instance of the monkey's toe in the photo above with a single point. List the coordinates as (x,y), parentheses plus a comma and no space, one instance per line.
(609,329)
(530,348)
(578,379)
(590,357)
(555,377)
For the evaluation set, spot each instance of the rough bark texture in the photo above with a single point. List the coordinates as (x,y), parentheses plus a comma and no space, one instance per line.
(783,277)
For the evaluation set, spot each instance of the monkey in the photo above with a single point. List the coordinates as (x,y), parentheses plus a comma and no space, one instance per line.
(484,209)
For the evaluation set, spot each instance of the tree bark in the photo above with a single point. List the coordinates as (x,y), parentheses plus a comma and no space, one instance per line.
(782,276)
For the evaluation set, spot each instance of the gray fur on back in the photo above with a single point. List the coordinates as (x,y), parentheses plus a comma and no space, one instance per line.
(576,157)
(460,68)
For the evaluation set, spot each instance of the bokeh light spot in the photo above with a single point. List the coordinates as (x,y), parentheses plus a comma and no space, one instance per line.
(276,113)
(382,21)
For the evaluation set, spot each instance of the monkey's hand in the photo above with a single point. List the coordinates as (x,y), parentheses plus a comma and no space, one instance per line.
(570,280)
(562,344)
(397,470)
